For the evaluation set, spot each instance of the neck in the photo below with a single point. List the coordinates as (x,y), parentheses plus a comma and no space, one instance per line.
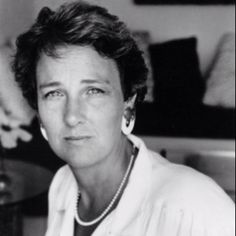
(99,183)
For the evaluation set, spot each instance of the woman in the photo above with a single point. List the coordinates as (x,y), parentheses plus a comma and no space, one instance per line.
(82,72)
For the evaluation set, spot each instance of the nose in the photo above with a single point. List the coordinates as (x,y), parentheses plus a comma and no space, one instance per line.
(74,113)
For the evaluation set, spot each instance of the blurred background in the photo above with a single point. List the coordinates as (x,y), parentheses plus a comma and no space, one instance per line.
(208,22)
(190,107)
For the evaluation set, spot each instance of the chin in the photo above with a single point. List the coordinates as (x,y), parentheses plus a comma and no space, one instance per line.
(78,157)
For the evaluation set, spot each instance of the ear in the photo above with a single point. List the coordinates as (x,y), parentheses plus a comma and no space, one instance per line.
(128,118)
(129,108)
(39,119)
(130,103)
(42,130)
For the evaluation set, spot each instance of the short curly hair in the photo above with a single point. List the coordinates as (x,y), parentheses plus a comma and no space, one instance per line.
(82,24)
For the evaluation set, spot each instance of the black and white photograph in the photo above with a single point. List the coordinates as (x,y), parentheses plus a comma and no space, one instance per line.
(117,118)
(184,2)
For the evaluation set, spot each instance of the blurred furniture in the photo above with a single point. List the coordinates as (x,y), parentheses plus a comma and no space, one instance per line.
(36,152)
(186,104)
(192,117)
(24,181)
(198,121)
(215,158)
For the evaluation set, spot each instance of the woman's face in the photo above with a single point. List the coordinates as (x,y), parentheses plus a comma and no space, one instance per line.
(81,105)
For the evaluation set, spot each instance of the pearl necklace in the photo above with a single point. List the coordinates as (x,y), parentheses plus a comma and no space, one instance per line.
(104,213)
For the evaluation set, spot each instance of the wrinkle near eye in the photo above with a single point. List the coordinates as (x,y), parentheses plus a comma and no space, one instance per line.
(53,94)
(95,91)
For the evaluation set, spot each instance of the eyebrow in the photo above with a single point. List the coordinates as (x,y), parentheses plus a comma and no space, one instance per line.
(50,84)
(85,81)
(89,81)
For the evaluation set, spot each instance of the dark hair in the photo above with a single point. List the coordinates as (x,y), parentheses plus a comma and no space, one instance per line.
(82,24)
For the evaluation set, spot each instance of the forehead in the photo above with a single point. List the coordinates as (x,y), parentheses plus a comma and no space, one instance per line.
(77,62)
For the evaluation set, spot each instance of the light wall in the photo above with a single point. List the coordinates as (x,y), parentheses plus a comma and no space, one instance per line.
(207,23)
(15,17)
(164,23)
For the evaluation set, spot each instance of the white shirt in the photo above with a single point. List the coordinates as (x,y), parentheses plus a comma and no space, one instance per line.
(160,199)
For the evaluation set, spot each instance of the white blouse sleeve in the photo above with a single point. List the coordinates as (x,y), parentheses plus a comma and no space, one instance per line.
(191,205)
(52,195)
(56,195)
(175,221)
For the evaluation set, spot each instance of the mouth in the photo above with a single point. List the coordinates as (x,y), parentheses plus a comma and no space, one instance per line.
(76,138)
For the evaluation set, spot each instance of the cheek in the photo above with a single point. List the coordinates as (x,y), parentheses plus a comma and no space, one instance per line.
(43,114)
(109,120)
(49,119)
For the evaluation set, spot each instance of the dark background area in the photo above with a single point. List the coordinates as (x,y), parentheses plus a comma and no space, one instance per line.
(197,2)
(179,86)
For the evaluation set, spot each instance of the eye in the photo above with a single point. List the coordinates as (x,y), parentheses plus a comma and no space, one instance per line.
(53,94)
(94,91)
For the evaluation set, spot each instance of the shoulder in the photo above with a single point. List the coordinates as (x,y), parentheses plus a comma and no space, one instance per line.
(183,191)
(62,176)
(62,185)
(178,183)
(175,181)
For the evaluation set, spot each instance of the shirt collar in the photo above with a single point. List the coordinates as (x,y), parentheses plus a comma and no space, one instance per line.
(133,197)
(137,189)
(68,190)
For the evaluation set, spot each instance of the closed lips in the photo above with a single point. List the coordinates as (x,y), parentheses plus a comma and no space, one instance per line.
(76,138)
